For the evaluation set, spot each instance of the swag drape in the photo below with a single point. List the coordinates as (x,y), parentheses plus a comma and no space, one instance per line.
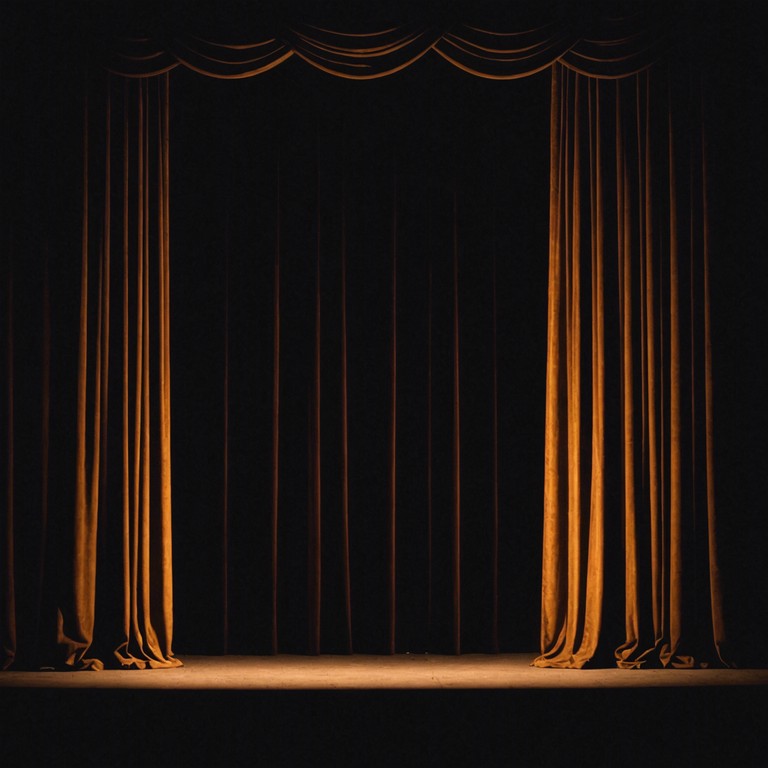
(628,422)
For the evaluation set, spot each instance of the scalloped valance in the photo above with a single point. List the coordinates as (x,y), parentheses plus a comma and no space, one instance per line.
(602,47)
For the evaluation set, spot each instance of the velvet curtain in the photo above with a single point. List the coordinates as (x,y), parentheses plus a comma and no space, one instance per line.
(628,423)
(629,444)
(134,338)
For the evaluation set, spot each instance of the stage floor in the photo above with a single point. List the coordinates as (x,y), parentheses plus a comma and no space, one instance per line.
(362,672)
(477,711)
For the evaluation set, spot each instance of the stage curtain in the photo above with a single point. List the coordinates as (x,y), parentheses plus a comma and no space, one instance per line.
(124,322)
(628,450)
(628,434)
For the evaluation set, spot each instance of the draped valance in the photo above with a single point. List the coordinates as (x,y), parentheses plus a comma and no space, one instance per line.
(598,46)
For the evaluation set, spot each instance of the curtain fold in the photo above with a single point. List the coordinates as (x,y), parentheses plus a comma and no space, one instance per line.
(643,399)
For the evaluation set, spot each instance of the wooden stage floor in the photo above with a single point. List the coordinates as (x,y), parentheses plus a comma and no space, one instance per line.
(389,711)
(368,672)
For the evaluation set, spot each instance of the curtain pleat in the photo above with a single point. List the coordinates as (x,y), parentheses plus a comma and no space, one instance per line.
(715,581)
(595,567)
(76,635)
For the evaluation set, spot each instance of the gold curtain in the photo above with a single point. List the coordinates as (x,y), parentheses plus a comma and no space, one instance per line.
(628,434)
(140,283)
(629,407)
